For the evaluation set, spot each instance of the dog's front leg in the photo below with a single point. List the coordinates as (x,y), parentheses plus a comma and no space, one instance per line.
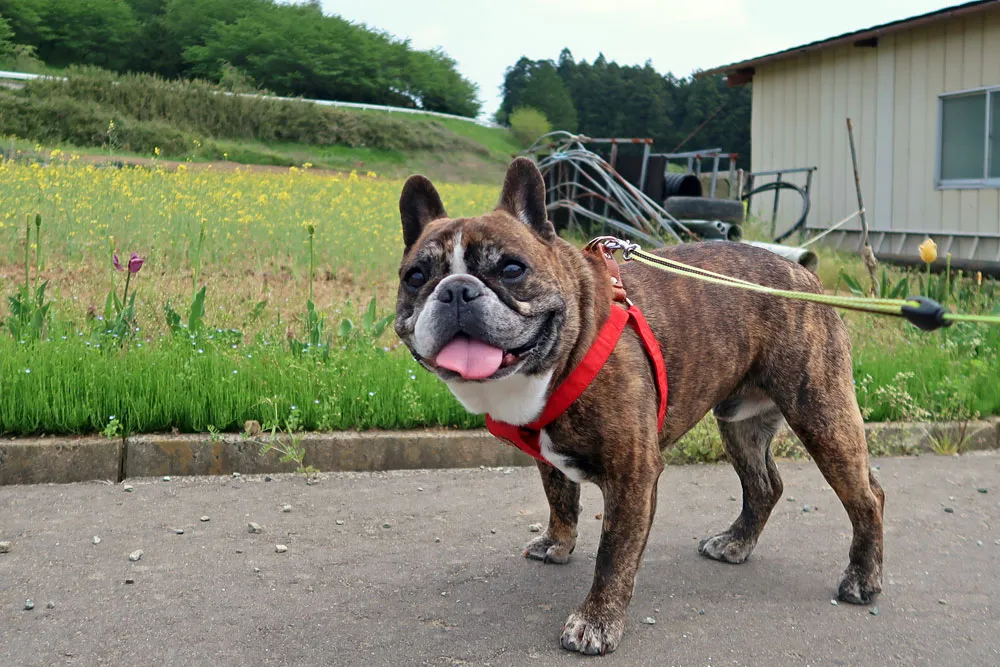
(559,539)
(629,489)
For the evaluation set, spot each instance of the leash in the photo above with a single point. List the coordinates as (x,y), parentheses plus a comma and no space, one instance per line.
(924,313)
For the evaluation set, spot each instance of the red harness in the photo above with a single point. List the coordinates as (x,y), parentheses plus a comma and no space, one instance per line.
(527,438)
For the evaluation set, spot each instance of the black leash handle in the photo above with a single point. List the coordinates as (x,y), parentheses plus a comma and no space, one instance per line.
(927,315)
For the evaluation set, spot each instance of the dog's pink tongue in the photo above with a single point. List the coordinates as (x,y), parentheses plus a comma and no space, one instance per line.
(472,359)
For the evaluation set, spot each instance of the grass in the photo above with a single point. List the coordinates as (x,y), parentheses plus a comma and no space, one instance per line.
(253,260)
(69,383)
(244,237)
(497,141)
(903,374)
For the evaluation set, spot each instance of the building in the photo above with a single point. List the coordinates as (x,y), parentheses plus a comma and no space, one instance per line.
(923,94)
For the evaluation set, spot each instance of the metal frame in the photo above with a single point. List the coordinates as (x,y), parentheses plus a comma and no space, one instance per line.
(694,158)
(965,183)
(626,207)
(576,174)
(617,141)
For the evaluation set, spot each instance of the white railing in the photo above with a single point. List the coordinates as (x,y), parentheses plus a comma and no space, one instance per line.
(24,76)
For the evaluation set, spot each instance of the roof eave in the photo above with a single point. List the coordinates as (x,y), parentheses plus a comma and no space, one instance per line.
(742,72)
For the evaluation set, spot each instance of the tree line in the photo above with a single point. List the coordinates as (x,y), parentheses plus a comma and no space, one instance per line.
(605,99)
(288,49)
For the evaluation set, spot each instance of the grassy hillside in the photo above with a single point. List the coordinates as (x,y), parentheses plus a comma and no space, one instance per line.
(141,116)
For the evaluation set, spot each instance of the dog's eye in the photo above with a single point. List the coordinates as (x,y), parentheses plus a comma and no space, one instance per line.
(415,279)
(512,271)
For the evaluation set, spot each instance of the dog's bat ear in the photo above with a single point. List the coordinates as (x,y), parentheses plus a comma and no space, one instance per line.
(523,197)
(419,204)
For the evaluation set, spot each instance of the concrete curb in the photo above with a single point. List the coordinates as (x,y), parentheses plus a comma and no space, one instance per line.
(154,455)
(59,460)
(63,460)
(911,438)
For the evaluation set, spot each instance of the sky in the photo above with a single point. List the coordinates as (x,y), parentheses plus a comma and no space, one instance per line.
(486,38)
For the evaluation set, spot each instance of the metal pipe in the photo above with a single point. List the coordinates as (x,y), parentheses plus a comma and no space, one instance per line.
(809,180)
(645,165)
(713,230)
(797,170)
(715,176)
(802,256)
(774,212)
(618,195)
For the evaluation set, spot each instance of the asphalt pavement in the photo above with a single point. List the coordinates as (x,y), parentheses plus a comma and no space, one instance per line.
(425,568)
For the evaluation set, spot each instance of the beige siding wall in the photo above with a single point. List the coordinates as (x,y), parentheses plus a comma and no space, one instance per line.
(890,93)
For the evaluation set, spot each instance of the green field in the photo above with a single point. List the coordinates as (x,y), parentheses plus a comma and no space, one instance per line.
(245,237)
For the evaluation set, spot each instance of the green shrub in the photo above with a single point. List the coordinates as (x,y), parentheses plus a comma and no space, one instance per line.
(203,108)
(66,120)
(527,124)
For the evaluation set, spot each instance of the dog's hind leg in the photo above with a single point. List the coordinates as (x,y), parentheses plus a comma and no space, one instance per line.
(748,443)
(824,414)
(559,539)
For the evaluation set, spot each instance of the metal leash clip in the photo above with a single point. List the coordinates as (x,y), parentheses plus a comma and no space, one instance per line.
(613,243)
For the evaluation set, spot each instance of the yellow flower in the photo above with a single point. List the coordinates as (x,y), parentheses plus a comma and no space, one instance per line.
(156,149)
(928,251)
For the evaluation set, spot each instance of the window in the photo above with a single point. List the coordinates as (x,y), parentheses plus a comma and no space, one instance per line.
(969,139)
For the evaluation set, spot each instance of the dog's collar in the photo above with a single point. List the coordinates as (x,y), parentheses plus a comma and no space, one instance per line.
(528,438)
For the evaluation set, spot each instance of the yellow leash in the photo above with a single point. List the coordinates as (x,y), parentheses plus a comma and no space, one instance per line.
(922,312)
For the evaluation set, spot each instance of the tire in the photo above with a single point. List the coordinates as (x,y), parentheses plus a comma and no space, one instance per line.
(705,208)
(681,185)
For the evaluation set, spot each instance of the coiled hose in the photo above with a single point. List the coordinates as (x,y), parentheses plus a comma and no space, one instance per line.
(785,185)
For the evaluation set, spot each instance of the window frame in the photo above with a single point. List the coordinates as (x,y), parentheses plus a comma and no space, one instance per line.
(966,183)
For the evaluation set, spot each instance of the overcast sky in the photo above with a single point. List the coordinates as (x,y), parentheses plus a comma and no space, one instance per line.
(678,36)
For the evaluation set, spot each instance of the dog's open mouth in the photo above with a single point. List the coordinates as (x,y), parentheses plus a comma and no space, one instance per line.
(475,360)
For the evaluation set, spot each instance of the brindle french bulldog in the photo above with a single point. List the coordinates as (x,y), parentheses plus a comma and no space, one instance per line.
(502,309)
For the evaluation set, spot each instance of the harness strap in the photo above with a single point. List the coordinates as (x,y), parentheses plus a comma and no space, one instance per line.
(528,438)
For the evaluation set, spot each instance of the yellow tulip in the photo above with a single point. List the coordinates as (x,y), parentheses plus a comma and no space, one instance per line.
(928,251)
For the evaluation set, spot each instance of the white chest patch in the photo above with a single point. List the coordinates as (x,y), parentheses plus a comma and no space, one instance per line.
(516,399)
(558,460)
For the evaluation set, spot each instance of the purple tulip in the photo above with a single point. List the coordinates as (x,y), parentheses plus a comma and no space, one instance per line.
(134,263)
(114,260)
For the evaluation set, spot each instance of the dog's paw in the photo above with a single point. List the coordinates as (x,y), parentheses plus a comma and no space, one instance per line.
(726,548)
(549,550)
(590,636)
(857,587)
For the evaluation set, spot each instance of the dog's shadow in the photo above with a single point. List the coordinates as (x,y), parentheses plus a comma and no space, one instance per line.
(520,613)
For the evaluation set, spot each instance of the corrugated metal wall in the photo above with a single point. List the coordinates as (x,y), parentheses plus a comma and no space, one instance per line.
(890,92)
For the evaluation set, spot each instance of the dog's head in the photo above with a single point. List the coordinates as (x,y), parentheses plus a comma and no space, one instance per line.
(481,298)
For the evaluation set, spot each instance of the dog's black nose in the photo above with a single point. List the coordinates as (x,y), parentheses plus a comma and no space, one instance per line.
(459,289)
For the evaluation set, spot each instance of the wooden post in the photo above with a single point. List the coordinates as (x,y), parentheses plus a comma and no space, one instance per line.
(866,249)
